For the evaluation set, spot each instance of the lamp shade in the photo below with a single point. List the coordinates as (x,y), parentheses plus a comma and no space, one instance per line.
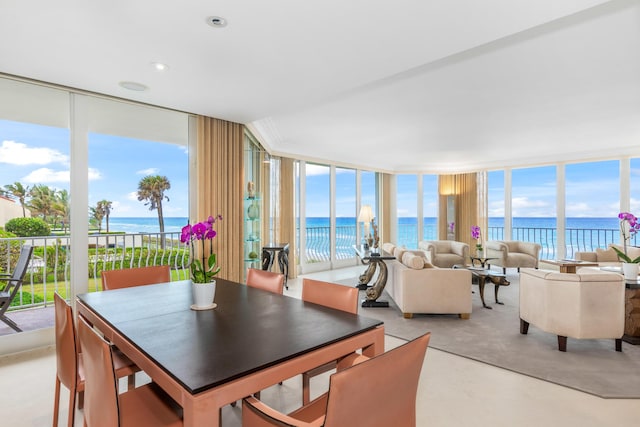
(366,214)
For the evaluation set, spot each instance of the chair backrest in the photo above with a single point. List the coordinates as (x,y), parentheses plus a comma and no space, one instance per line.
(332,295)
(265,280)
(390,379)
(19,271)
(67,345)
(14,282)
(128,277)
(101,392)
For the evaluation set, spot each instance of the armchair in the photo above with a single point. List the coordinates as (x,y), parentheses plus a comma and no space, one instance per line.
(445,253)
(588,304)
(513,254)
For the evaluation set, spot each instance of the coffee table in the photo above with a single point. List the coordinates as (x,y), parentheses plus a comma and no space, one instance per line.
(569,265)
(482,276)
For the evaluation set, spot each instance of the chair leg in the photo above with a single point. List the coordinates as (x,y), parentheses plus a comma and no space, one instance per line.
(618,344)
(11,323)
(56,403)
(562,343)
(81,399)
(306,389)
(72,407)
(131,382)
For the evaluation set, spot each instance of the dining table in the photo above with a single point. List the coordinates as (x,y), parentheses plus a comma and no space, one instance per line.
(205,359)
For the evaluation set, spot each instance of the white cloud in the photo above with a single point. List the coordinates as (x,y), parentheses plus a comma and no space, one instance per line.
(94,174)
(133,196)
(149,171)
(17,153)
(46,175)
(312,170)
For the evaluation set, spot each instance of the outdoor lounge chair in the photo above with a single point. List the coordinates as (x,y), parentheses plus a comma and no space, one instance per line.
(14,281)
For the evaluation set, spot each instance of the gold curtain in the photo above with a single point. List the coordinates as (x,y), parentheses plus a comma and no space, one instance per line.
(286,213)
(384,207)
(464,189)
(219,189)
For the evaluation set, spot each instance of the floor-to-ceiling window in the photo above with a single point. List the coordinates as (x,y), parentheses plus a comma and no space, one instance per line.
(79,160)
(496,204)
(35,183)
(345,202)
(592,194)
(407,207)
(533,203)
(429,207)
(317,203)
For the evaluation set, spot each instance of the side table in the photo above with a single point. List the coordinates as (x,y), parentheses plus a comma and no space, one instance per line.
(374,261)
(632,312)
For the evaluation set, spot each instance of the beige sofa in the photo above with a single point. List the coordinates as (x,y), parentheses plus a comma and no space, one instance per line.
(445,253)
(416,286)
(607,257)
(588,304)
(513,254)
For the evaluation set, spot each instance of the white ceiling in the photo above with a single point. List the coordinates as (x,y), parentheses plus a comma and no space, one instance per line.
(400,86)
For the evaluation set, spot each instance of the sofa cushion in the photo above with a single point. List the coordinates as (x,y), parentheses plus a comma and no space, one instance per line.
(606,255)
(412,260)
(398,252)
(388,247)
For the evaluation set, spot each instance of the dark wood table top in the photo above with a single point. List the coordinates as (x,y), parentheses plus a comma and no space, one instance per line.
(369,254)
(249,330)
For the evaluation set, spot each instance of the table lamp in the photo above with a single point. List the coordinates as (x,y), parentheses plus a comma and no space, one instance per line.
(366,216)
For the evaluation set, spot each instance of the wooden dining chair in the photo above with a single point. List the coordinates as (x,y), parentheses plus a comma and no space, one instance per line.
(265,280)
(138,276)
(70,370)
(147,405)
(378,392)
(339,297)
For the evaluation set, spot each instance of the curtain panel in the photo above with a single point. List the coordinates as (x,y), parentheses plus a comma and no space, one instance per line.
(219,189)
(464,190)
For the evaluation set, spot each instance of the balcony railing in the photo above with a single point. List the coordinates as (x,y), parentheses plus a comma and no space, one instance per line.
(49,269)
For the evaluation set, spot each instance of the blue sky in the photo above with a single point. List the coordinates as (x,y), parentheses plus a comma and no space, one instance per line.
(35,154)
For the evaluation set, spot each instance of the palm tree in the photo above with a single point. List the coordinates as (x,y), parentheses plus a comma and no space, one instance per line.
(95,217)
(151,189)
(105,207)
(62,208)
(18,191)
(42,201)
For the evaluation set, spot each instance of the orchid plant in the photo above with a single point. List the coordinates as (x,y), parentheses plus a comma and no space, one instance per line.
(476,234)
(629,226)
(202,270)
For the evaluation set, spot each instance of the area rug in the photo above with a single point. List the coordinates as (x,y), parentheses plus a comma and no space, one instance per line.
(493,337)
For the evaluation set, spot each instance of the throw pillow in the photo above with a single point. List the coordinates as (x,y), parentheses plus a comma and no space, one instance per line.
(606,255)
(413,261)
(398,252)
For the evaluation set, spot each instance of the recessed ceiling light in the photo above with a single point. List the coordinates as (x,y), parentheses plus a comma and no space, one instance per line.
(216,21)
(159,66)
(138,87)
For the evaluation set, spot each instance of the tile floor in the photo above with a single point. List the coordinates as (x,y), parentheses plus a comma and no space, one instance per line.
(453,391)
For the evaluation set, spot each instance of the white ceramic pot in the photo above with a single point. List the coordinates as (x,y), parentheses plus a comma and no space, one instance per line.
(630,270)
(203,294)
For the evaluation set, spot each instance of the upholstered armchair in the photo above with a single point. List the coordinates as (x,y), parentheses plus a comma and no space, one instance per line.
(445,253)
(588,304)
(512,254)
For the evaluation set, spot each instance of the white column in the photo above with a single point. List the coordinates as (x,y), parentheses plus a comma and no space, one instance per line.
(79,192)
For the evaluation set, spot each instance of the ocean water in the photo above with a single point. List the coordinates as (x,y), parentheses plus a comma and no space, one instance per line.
(144,224)
(150,224)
